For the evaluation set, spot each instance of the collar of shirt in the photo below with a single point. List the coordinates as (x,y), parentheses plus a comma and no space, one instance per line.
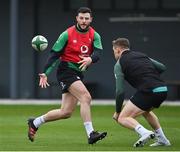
(124,51)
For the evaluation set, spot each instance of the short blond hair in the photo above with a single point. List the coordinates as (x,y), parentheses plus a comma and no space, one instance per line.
(121,42)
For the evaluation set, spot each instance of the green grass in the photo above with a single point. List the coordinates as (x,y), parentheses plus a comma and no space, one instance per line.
(70,135)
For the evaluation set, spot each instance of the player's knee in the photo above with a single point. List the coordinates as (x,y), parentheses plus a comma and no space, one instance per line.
(86,97)
(121,119)
(66,114)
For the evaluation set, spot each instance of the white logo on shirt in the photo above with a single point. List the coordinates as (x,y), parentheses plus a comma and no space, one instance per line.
(115,76)
(84,49)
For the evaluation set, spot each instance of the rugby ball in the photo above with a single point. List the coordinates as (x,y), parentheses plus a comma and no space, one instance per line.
(39,43)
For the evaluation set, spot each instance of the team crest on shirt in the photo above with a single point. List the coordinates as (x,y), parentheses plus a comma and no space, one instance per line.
(74,41)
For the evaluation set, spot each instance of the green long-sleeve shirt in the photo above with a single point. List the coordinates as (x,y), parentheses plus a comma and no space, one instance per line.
(58,50)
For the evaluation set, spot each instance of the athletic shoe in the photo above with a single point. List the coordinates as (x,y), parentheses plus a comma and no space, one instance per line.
(144,139)
(32,129)
(161,143)
(95,136)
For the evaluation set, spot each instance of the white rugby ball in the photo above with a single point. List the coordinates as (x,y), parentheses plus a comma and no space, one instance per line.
(39,43)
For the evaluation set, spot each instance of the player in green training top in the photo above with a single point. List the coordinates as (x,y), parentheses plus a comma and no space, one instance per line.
(143,73)
(75,50)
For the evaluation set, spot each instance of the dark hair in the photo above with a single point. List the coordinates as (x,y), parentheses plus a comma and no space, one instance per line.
(84,10)
(121,42)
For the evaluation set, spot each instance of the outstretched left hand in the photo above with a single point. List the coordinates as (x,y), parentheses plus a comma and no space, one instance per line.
(43,83)
(85,62)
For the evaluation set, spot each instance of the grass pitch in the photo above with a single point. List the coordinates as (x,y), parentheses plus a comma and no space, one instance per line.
(70,135)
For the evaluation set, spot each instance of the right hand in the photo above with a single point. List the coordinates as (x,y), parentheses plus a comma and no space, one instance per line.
(43,80)
(85,62)
(115,116)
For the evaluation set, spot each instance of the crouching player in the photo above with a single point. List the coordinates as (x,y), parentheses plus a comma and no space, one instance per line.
(143,73)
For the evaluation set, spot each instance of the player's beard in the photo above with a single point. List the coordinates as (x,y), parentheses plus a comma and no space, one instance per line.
(85,29)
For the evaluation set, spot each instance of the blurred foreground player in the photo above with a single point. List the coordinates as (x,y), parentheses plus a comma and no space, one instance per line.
(143,73)
(76,48)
